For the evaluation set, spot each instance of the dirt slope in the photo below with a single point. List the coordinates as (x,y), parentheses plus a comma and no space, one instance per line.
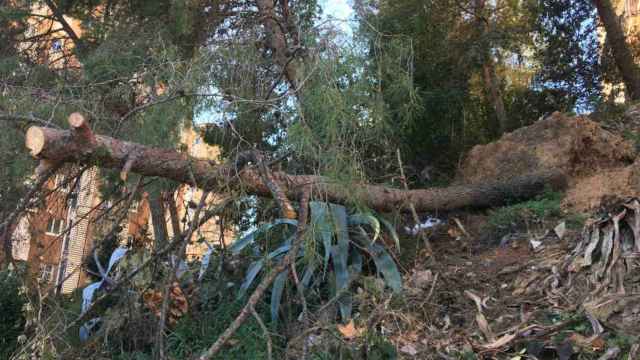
(598,163)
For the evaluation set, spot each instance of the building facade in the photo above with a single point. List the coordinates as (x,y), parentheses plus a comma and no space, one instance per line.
(56,237)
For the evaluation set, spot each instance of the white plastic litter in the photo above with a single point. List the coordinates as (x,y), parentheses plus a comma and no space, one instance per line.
(89,291)
(426,224)
(205,262)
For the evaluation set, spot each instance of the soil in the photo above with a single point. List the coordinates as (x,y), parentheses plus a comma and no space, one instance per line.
(596,161)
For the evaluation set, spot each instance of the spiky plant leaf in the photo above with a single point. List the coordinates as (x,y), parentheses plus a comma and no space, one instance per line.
(341,273)
(253,271)
(308,274)
(392,232)
(276,293)
(366,219)
(322,228)
(341,224)
(386,266)
(249,238)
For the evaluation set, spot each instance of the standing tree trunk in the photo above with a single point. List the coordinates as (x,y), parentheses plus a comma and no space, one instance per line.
(621,52)
(156,207)
(489,75)
(492,87)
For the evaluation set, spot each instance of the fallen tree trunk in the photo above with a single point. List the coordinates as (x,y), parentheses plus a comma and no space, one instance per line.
(55,146)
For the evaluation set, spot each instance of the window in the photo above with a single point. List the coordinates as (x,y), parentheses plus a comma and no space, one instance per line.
(134,206)
(56,46)
(46,273)
(73,200)
(60,182)
(55,226)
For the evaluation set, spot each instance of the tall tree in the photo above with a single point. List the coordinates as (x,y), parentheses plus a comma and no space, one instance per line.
(568,51)
(484,21)
(622,54)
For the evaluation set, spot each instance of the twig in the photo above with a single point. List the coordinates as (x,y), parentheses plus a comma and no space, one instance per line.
(433,286)
(6,226)
(172,276)
(414,213)
(266,281)
(265,331)
(305,309)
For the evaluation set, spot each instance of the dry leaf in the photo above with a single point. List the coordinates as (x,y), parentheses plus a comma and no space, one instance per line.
(409,349)
(475,299)
(560,230)
(349,330)
(483,324)
(502,341)
(592,343)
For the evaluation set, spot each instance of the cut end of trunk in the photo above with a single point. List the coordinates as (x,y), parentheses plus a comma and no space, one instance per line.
(80,128)
(76,120)
(35,140)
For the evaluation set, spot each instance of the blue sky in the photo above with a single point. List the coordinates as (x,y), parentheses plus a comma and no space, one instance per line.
(339,9)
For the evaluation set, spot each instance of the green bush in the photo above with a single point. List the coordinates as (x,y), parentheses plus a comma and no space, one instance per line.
(196,332)
(12,319)
(513,217)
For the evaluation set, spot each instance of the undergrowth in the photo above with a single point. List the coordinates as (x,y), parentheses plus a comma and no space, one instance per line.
(12,320)
(197,331)
(525,215)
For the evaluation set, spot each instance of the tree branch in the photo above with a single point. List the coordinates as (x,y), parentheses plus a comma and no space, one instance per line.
(59,16)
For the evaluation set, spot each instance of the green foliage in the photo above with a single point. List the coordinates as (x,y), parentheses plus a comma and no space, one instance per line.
(343,241)
(198,331)
(12,318)
(513,217)
(568,51)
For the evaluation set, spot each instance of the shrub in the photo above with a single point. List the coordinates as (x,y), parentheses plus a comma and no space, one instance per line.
(12,319)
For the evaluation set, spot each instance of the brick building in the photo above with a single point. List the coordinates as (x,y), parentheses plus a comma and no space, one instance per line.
(56,237)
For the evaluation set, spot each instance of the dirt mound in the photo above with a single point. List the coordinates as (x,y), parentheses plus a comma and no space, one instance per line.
(597,162)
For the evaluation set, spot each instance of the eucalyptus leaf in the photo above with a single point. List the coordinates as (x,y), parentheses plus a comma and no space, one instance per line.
(206,258)
(322,228)
(386,266)
(253,271)
(366,219)
(276,294)
(392,232)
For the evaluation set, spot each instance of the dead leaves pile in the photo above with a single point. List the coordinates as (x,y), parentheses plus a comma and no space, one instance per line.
(178,304)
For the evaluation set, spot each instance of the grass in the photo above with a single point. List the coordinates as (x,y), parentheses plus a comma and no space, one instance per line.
(514,217)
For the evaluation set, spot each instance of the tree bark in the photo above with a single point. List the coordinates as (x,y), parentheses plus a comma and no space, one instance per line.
(621,52)
(492,86)
(158,221)
(489,75)
(277,42)
(59,146)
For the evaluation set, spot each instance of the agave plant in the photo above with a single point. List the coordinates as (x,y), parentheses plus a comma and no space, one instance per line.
(343,240)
